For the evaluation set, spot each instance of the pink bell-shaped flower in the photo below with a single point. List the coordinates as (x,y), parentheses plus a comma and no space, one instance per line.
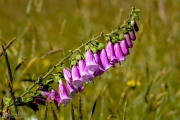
(91,65)
(104,59)
(85,75)
(132,35)
(40,100)
(124,47)
(63,93)
(67,75)
(110,53)
(49,96)
(57,98)
(118,52)
(101,70)
(128,40)
(77,82)
(71,89)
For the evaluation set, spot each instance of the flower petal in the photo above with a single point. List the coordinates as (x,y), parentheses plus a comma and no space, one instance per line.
(77,82)
(63,93)
(128,39)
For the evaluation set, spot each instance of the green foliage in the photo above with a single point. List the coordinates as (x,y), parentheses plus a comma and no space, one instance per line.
(40,26)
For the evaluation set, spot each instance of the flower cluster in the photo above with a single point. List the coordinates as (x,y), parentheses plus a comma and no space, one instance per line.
(97,60)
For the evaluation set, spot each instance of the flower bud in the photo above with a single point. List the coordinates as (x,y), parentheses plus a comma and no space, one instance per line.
(128,40)
(67,75)
(134,24)
(40,100)
(132,35)
(100,46)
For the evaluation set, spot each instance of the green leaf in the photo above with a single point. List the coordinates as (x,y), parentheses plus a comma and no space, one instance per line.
(136,16)
(6,101)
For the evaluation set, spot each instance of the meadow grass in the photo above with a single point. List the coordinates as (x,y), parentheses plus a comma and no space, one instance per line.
(41,25)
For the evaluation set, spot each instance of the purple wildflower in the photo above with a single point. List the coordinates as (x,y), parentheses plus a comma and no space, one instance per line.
(118,52)
(128,40)
(67,75)
(44,87)
(40,100)
(101,70)
(134,24)
(76,77)
(32,105)
(91,65)
(85,75)
(48,95)
(104,59)
(71,89)
(133,35)
(57,98)
(63,93)
(124,47)
(110,53)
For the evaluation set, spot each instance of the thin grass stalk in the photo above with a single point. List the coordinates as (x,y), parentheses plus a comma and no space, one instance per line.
(93,109)
(10,80)
(72,112)
(80,107)
(124,113)
(54,113)
(102,108)
(46,110)
(7,46)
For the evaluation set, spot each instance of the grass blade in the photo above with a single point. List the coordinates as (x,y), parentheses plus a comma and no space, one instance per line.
(10,80)
(72,112)
(94,106)
(80,107)
(7,46)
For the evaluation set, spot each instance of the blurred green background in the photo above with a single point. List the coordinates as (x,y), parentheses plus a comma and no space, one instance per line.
(43,25)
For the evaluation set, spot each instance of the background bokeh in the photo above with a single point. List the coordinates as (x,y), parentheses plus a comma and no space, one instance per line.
(43,25)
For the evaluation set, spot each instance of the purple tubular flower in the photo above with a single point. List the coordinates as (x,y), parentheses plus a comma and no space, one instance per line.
(71,89)
(48,95)
(67,75)
(32,105)
(63,94)
(124,47)
(44,87)
(111,54)
(118,52)
(91,65)
(40,100)
(132,35)
(104,59)
(134,24)
(128,39)
(76,77)
(57,98)
(101,70)
(85,75)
